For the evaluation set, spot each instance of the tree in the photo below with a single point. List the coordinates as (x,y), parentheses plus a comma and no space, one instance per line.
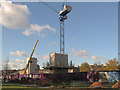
(71,64)
(119,66)
(85,67)
(102,67)
(95,64)
(112,64)
(98,67)
(47,64)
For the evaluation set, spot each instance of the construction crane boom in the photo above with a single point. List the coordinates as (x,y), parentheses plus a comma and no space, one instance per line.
(30,57)
(49,7)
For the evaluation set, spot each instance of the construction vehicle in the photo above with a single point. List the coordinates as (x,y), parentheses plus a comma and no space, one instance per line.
(25,72)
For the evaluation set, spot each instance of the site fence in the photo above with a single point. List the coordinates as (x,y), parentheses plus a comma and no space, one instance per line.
(101,76)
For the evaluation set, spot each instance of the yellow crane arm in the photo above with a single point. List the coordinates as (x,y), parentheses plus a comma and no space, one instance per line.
(30,57)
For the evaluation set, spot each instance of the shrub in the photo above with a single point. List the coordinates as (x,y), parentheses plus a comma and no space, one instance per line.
(43,82)
(92,76)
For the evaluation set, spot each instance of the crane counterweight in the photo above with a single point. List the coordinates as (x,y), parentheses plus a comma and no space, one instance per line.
(65,11)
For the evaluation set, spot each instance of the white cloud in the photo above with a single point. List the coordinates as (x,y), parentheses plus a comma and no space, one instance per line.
(96,58)
(11,64)
(1,61)
(36,29)
(80,53)
(14,16)
(20,61)
(38,56)
(19,53)
(45,57)
(22,66)
(40,28)
(27,32)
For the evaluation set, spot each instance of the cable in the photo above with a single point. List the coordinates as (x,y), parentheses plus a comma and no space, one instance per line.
(49,6)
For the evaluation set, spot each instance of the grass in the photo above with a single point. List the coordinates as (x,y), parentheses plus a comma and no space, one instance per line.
(73,85)
(83,84)
(12,86)
(20,87)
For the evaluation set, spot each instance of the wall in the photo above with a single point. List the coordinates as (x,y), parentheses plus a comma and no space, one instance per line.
(32,66)
(59,60)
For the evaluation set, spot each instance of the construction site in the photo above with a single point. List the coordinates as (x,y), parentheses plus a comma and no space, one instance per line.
(60,72)
(57,61)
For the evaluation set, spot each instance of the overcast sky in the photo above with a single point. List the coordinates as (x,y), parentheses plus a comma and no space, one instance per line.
(91,32)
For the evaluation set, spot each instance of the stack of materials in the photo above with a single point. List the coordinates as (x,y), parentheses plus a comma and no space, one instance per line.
(97,85)
(117,85)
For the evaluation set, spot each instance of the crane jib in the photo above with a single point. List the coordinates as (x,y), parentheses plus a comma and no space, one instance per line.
(30,57)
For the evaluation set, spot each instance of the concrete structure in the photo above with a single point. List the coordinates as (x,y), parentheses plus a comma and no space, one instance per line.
(21,71)
(8,72)
(32,69)
(59,60)
(73,69)
(45,71)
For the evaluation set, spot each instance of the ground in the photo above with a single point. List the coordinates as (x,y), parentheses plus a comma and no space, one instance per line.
(61,86)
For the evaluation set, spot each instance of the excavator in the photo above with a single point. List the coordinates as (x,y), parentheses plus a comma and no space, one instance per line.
(25,72)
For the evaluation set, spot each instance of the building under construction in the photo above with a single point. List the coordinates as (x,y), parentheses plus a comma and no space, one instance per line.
(32,66)
(59,60)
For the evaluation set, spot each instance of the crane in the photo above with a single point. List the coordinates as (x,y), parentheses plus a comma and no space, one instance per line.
(25,72)
(62,16)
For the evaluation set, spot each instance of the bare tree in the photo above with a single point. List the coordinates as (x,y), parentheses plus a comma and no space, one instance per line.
(6,66)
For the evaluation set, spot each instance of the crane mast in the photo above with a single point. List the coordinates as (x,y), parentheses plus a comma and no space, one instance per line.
(62,17)
(30,57)
(62,46)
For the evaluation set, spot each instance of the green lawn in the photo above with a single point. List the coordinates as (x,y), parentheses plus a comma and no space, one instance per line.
(83,84)
(12,86)
(65,86)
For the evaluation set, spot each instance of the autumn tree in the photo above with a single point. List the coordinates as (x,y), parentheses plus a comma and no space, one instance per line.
(112,64)
(98,67)
(95,67)
(85,67)
(102,67)
(119,66)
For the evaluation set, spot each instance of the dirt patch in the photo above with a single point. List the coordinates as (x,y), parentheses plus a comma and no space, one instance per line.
(97,84)
(117,85)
